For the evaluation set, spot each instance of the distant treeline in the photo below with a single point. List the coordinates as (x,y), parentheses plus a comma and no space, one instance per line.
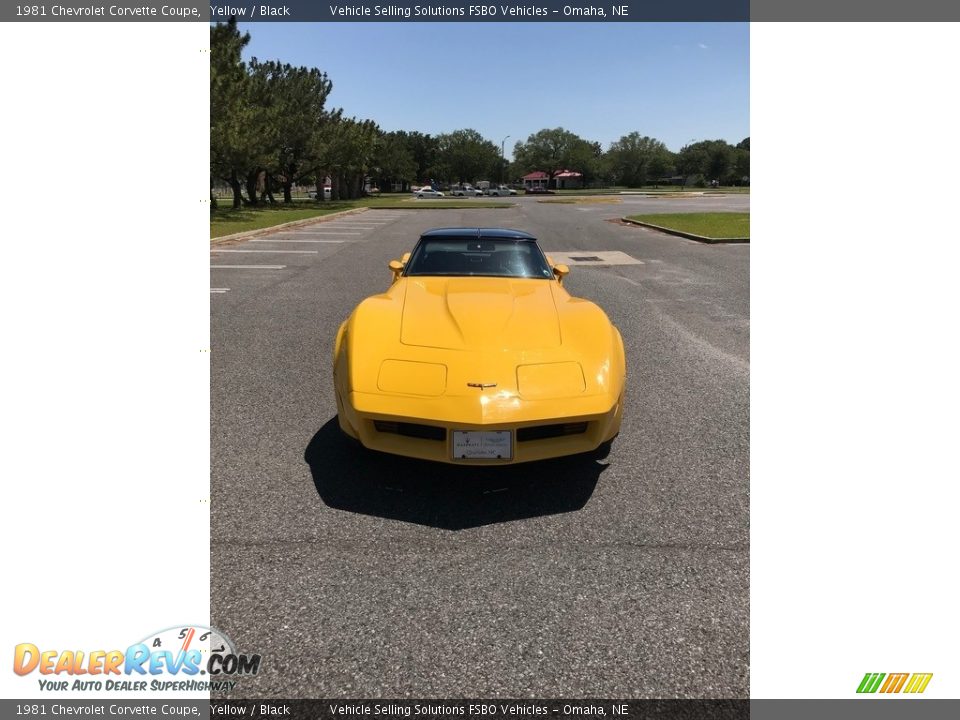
(270,130)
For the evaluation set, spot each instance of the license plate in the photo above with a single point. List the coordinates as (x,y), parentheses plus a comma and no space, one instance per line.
(482,445)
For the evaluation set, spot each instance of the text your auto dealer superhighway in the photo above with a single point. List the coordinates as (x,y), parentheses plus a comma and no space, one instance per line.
(117,11)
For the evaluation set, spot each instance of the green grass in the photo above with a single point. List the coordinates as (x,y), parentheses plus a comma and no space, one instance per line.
(226,221)
(716,225)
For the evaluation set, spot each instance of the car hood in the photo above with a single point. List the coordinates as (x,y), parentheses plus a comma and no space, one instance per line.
(468,313)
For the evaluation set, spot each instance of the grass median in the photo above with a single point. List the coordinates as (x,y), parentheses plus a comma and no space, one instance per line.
(716,226)
(224,220)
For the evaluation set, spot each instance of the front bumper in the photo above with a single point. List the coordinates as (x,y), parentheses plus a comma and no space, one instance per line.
(539,432)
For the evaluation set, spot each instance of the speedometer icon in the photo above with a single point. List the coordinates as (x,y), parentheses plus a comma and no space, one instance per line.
(179,640)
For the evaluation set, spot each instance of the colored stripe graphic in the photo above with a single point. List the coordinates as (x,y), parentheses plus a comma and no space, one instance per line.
(894,682)
(918,682)
(915,683)
(870,682)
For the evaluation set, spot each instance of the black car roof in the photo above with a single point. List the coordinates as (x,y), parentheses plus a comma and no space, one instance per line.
(477,232)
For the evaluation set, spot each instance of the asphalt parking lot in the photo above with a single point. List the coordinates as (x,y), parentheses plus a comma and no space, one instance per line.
(359,575)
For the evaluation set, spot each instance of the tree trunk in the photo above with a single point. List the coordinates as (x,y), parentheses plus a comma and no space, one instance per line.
(237,191)
(267,192)
(252,187)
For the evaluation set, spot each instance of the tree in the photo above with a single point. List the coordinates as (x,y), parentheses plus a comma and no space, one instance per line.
(425,152)
(586,157)
(709,158)
(661,165)
(321,149)
(297,96)
(393,161)
(741,162)
(263,128)
(634,160)
(465,155)
(347,147)
(232,139)
(552,150)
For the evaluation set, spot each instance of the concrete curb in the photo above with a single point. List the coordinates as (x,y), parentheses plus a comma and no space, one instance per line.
(223,239)
(681,233)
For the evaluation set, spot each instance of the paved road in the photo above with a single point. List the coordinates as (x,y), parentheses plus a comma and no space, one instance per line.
(358,575)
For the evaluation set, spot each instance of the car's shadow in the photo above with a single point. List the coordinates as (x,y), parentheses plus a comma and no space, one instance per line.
(350,477)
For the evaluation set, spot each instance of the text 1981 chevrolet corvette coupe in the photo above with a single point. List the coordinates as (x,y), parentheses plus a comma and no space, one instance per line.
(477,355)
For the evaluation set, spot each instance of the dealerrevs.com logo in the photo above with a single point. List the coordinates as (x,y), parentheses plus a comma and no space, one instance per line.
(912,683)
(182,658)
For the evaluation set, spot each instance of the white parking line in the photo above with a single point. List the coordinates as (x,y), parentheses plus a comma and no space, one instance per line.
(322,232)
(219,290)
(291,252)
(247,267)
(289,240)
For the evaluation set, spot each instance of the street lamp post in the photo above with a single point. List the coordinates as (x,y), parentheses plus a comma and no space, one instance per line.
(502,158)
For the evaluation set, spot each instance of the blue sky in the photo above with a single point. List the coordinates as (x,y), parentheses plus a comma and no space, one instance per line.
(678,82)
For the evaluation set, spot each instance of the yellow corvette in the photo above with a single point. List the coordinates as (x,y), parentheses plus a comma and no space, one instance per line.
(477,355)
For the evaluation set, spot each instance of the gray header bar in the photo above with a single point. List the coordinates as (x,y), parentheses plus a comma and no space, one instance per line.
(477,11)
(111,11)
(862,708)
(873,708)
(854,10)
(380,11)
(487,10)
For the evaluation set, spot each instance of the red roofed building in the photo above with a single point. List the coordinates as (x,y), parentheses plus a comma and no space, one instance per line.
(535,181)
(562,179)
(568,179)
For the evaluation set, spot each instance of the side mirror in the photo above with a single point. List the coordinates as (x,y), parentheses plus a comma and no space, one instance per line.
(396,267)
(561,271)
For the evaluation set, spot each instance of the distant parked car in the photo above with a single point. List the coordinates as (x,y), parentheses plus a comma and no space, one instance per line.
(467,191)
(326,194)
(499,191)
(427,192)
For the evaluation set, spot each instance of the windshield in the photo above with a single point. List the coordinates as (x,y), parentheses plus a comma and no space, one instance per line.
(494,257)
